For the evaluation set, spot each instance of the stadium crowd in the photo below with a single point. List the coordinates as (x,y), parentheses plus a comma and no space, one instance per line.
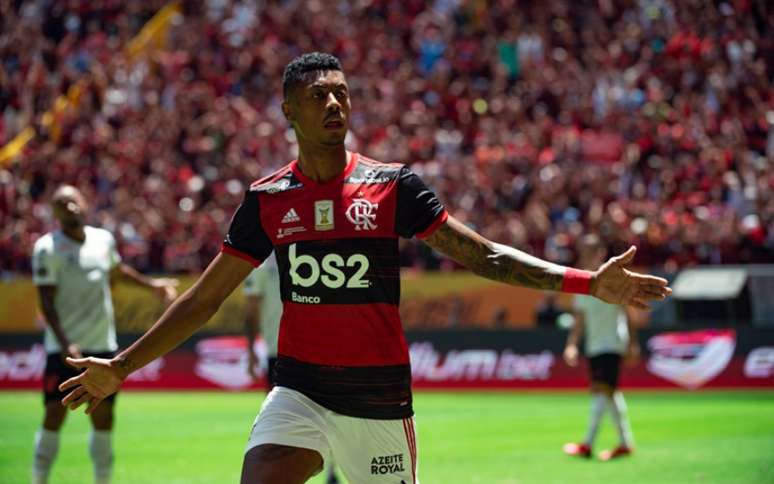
(646,121)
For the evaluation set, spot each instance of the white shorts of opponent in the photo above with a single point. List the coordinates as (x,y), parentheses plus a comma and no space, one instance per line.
(366,450)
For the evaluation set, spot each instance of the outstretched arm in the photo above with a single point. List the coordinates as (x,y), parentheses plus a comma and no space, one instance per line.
(187,314)
(163,286)
(611,282)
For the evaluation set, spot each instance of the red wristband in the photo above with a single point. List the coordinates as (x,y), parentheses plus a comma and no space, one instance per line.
(576,281)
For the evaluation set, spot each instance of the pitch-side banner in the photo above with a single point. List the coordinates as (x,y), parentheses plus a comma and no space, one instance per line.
(707,358)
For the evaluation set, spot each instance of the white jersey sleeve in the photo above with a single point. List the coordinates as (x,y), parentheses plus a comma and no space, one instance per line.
(45,266)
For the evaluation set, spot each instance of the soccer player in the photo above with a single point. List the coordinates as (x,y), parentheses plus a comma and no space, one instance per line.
(263,307)
(608,338)
(343,380)
(73,268)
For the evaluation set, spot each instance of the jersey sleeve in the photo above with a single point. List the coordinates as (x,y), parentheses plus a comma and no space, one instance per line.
(44,266)
(246,238)
(418,212)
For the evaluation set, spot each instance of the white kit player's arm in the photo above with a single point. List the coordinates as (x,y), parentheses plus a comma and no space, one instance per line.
(45,275)
(632,356)
(573,338)
(252,330)
(254,290)
(612,282)
(186,315)
(47,296)
(163,286)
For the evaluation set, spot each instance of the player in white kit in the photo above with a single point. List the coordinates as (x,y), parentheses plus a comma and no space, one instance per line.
(608,338)
(263,309)
(73,268)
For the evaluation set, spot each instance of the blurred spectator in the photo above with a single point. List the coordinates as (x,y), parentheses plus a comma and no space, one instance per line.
(499,318)
(648,122)
(548,311)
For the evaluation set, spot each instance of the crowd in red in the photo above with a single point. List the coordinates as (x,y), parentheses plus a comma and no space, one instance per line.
(649,122)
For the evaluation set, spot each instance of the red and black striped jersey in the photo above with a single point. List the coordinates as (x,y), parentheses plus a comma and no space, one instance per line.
(341,342)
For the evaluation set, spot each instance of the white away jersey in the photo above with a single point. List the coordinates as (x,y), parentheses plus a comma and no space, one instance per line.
(80,272)
(264,282)
(605,326)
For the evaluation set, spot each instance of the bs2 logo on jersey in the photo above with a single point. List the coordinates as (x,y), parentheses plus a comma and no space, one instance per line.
(306,271)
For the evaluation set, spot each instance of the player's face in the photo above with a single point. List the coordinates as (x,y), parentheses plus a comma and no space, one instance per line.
(70,209)
(319,108)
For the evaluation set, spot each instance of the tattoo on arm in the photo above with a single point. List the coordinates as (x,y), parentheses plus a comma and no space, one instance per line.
(126,365)
(495,261)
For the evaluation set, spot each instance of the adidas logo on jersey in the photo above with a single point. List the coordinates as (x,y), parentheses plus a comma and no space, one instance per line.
(291,216)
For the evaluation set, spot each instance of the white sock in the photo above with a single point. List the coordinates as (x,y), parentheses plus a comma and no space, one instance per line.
(621,419)
(598,404)
(46,448)
(101,451)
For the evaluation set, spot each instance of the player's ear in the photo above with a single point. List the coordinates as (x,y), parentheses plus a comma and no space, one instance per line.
(287,111)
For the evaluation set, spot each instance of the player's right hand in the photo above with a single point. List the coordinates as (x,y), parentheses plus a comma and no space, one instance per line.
(99,380)
(571,355)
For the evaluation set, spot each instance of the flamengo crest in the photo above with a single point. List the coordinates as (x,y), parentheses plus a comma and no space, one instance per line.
(362,213)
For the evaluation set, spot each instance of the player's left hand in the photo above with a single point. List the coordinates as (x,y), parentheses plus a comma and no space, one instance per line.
(99,380)
(166,288)
(614,284)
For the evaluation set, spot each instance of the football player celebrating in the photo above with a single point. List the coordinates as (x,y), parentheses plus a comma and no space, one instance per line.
(343,379)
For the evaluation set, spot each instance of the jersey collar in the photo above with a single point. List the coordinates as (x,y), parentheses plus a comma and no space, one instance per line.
(344,174)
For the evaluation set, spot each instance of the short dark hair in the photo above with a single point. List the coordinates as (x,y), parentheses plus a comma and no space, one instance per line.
(313,61)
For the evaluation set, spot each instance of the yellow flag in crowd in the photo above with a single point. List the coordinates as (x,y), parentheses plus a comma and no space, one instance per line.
(152,37)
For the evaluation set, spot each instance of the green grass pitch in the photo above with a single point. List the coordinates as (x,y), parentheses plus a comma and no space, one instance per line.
(488,438)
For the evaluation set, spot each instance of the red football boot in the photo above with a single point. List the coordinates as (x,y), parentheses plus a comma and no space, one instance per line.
(578,450)
(620,451)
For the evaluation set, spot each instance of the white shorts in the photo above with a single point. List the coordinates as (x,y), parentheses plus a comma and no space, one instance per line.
(366,450)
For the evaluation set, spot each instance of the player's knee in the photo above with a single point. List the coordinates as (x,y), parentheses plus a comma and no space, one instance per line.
(279,464)
(102,418)
(55,416)
(104,422)
(603,388)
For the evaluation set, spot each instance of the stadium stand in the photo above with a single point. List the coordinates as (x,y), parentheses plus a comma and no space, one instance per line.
(648,122)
